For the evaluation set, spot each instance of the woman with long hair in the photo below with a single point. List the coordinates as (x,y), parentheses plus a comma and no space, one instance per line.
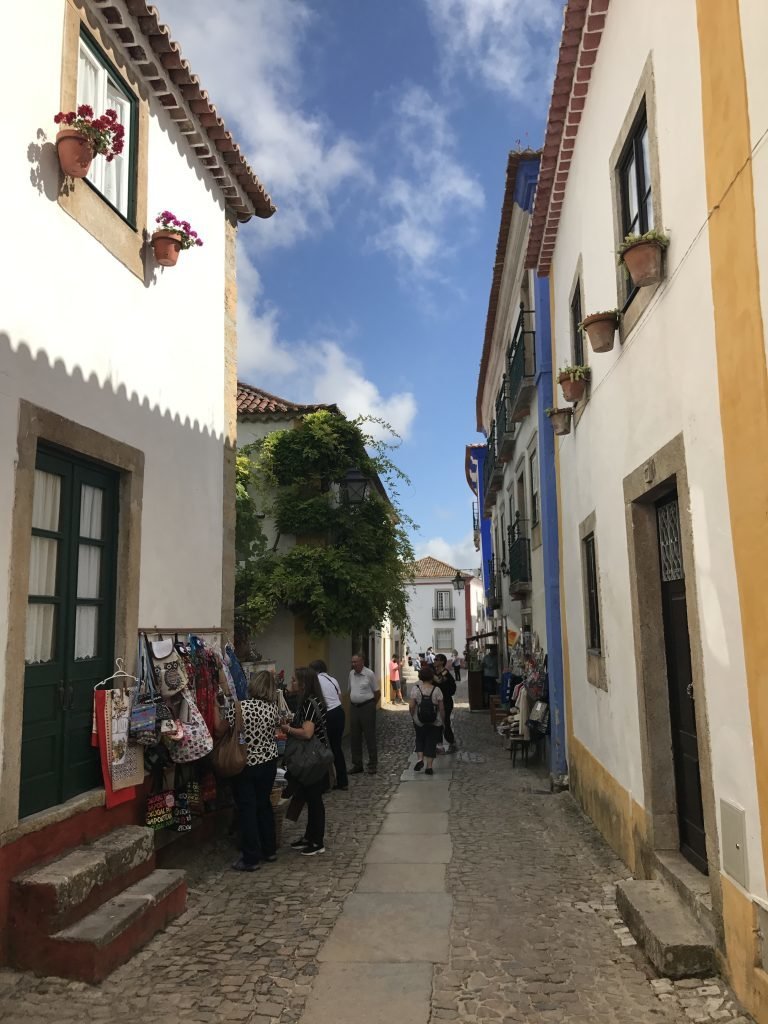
(309,720)
(428,713)
(253,786)
(334,719)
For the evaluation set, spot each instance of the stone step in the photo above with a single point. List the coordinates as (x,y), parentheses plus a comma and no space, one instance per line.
(690,885)
(50,897)
(673,940)
(93,947)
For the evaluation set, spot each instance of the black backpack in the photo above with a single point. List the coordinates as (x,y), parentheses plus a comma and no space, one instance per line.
(427,709)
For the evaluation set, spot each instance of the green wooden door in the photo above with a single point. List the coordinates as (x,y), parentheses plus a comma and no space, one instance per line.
(70,625)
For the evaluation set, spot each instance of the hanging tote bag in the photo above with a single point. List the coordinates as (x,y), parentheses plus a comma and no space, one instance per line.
(168,666)
(230,751)
(143,727)
(197,740)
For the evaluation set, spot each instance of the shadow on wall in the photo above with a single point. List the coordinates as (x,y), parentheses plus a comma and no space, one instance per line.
(112,411)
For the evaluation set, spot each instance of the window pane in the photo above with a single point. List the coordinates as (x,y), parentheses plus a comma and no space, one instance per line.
(91,500)
(90,90)
(39,647)
(88,571)
(86,630)
(116,172)
(43,557)
(46,501)
(630,191)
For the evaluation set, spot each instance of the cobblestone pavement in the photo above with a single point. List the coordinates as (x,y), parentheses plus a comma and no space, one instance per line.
(535,935)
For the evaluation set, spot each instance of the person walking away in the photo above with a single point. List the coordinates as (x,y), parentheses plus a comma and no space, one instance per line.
(426,707)
(430,656)
(394,680)
(308,721)
(447,685)
(456,663)
(334,720)
(490,673)
(364,696)
(253,786)
(416,661)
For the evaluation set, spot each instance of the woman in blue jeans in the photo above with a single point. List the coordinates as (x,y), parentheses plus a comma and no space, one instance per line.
(253,786)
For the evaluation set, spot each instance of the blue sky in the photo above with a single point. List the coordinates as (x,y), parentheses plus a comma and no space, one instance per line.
(381,131)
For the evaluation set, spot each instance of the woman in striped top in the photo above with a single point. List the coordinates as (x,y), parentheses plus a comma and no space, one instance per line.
(308,720)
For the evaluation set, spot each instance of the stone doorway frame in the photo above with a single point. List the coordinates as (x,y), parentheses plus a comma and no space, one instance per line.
(662,472)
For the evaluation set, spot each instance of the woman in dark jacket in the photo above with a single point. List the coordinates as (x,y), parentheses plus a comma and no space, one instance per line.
(308,720)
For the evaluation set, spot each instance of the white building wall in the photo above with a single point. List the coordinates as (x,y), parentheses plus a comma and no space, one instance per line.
(660,383)
(421,601)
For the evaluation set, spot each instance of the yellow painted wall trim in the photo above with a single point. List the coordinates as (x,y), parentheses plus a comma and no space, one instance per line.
(741,366)
(740,930)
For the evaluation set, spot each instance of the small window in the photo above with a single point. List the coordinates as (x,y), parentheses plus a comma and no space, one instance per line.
(593,601)
(635,180)
(443,640)
(534,470)
(443,600)
(100,86)
(577,338)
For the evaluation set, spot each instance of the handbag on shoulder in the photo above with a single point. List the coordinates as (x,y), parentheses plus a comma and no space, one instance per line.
(230,752)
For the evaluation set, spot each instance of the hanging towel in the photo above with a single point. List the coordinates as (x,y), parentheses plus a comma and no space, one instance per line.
(102,740)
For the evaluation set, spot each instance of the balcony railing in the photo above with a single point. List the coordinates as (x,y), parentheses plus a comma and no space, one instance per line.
(521,366)
(506,428)
(493,584)
(476,525)
(493,472)
(519,558)
(444,613)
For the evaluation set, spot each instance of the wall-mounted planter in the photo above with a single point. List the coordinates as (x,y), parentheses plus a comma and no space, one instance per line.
(643,261)
(574,388)
(601,328)
(560,420)
(167,246)
(75,152)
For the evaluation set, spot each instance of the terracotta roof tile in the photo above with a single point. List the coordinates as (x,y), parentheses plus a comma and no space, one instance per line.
(429,566)
(574,70)
(160,62)
(253,402)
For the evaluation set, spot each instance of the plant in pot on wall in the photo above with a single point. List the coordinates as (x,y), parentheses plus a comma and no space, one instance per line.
(83,136)
(560,420)
(642,257)
(170,237)
(600,328)
(573,380)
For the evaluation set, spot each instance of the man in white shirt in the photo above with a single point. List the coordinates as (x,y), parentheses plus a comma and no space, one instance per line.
(364,696)
(334,719)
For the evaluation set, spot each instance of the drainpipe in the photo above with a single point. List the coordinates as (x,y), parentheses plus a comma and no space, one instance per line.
(544,384)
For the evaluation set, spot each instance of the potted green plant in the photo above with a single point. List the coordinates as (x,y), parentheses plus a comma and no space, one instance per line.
(83,136)
(573,381)
(171,237)
(642,257)
(560,420)
(600,328)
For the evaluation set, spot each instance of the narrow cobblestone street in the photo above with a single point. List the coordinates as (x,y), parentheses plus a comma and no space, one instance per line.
(523,928)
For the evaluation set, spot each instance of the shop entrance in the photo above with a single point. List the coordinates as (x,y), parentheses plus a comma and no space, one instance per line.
(70,625)
(685,748)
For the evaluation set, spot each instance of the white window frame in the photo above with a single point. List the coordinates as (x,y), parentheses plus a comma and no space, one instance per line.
(111,180)
(533,474)
(437,646)
(444,600)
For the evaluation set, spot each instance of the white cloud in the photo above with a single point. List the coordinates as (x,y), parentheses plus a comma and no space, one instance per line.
(460,553)
(249,56)
(310,370)
(431,192)
(508,44)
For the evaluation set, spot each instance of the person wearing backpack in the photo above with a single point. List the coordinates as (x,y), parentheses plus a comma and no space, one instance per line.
(427,712)
(447,684)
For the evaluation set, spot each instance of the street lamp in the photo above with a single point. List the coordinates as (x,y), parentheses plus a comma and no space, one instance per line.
(355,487)
(458,581)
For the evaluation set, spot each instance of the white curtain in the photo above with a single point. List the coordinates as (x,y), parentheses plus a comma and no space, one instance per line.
(40,623)
(46,501)
(90,512)
(43,559)
(86,630)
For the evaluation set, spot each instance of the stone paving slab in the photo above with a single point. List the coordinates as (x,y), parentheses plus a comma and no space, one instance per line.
(430,823)
(402,878)
(410,799)
(390,928)
(409,849)
(370,993)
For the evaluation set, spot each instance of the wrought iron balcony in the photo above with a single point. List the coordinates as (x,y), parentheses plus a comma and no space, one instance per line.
(444,613)
(506,428)
(521,366)
(476,525)
(493,473)
(519,558)
(493,587)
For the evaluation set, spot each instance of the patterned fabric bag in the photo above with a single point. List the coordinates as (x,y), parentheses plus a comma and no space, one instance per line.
(160,809)
(168,667)
(197,741)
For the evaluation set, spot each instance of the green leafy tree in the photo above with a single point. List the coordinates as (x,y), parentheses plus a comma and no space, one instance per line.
(352,561)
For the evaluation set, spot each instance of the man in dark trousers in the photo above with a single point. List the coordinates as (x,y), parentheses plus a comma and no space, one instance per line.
(364,696)
(447,684)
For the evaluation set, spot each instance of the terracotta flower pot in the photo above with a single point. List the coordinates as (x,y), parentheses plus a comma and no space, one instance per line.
(75,152)
(601,328)
(643,261)
(167,246)
(573,388)
(561,421)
